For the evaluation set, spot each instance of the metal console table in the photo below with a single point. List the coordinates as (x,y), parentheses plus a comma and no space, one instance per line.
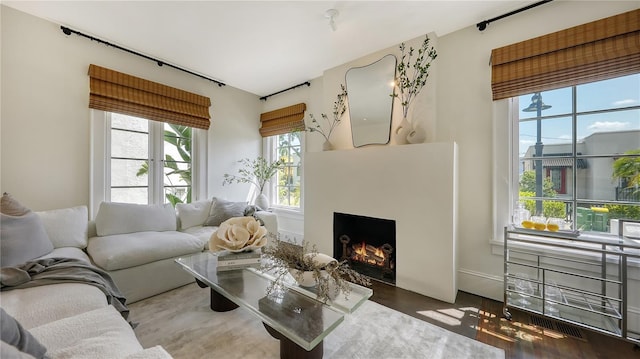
(580,280)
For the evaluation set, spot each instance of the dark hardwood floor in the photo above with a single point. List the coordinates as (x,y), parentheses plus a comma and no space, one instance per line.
(481,319)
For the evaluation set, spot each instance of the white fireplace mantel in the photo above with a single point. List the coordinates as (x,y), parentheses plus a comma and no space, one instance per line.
(415,185)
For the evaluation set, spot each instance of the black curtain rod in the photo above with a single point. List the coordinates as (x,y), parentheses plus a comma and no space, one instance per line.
(68,31)
(483,24)
(264,98)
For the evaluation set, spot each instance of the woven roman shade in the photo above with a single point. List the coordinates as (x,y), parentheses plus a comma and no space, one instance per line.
(283,120)
(595,51)
(114,91)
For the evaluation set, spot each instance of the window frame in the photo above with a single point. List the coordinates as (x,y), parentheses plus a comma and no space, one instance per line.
(270,150)
(576,156)
(100,161)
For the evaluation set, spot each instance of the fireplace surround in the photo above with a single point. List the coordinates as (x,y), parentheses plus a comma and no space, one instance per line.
(415,185)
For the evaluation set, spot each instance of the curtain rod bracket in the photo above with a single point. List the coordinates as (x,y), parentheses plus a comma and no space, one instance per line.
(68,31)
(482,25)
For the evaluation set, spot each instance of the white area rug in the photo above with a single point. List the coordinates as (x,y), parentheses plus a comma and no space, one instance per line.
(181,321)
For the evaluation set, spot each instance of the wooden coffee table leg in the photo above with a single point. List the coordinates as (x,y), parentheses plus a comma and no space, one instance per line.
(291,350)
(218,302)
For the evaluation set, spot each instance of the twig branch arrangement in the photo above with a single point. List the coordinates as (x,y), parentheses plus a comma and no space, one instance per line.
(339,108)
(412,77)
(257,172)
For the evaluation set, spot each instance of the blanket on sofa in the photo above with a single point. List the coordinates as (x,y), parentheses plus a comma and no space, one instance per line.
(62,270)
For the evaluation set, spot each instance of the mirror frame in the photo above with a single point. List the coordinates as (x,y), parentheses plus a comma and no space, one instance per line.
(382,99)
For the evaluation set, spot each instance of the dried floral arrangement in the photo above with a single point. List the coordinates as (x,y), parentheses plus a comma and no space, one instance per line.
(339,108)
(332,277)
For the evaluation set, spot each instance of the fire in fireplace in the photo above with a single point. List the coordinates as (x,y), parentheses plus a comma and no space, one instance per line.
(367,243)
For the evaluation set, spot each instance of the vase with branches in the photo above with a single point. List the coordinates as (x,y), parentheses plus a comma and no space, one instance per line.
(413,73)
(257,172)
(339,108)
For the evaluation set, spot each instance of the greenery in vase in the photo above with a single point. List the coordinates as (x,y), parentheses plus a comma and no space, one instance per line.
(282,256)
(257,172)
(339,108)
(412,76)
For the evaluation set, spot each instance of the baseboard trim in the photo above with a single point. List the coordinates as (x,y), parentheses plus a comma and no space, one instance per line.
(482,284)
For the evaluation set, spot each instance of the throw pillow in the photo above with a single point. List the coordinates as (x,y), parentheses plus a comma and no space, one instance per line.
(11,207)
(66,227)
(221,210)
(22,239)
(122,218)
(193,214)
(14,334)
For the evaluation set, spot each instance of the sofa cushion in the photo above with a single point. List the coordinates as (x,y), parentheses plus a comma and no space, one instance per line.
(66,227)
(128,250)
(203,233)
(193,214)
(100,333)
(36,306)
(221,210)
(10,206)
(120,218)
(14,334)
(22,238)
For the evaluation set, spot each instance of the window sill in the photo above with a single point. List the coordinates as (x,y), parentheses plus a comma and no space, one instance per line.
(288,212)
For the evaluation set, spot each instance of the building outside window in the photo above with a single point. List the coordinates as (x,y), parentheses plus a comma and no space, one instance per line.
(286,188)
(578,153)
(149,162)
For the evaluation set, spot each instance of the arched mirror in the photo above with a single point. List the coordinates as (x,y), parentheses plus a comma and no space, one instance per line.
(370,90)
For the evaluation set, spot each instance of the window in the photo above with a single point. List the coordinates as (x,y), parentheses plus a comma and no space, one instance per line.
(287,187)
(145,162)
(578,153)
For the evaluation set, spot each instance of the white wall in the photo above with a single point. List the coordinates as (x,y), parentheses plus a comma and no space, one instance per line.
(45,116)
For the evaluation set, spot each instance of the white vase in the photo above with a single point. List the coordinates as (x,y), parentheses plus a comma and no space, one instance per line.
(262,201)
(327,146)
(303,278)
(416,136)
(403,131)
(306,278)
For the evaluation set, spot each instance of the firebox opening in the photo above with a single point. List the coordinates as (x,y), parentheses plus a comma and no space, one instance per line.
(368,244)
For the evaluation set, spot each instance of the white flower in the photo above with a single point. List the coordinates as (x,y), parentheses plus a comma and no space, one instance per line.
(238,233)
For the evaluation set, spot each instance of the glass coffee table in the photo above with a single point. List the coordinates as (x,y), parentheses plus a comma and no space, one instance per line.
(291,314)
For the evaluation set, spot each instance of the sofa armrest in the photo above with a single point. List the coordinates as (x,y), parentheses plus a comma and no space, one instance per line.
(270,220)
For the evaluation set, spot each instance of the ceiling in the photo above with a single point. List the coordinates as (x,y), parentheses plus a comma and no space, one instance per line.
(262,46)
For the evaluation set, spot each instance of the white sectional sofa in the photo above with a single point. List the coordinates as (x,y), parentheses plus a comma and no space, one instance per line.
(68,320)
(135,244)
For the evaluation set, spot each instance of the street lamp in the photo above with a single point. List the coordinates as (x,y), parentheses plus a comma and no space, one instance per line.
(537,105)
